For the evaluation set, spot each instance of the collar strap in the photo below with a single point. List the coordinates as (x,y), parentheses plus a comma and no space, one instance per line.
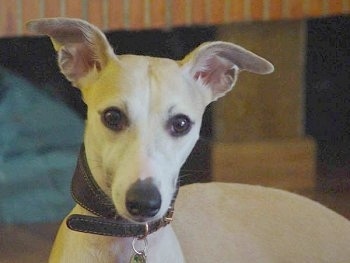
(107,222)
(111,227)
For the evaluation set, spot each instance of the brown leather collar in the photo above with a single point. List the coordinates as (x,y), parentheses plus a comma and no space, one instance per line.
(107,222)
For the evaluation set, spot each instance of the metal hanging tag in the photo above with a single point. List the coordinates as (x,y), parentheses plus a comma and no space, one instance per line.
(138,258)
(139,255)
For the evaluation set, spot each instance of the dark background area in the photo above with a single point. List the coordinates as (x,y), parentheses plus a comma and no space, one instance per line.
(328,98)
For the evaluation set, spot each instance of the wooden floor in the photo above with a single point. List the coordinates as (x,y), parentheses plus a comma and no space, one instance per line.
(31,243)
(26,243)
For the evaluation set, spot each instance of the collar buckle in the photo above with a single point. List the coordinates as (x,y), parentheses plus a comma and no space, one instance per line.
(169,215)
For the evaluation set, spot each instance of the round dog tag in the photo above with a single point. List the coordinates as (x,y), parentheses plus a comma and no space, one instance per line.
(138,258)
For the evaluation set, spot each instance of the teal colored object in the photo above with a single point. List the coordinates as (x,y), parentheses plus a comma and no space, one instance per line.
(39,144)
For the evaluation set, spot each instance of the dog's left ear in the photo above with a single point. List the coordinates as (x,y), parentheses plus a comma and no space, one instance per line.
(215,65)
(81,47)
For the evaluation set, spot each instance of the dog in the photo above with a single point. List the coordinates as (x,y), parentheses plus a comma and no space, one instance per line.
(144,117)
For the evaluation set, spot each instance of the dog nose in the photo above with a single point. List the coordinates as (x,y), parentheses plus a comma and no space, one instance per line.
(143,199)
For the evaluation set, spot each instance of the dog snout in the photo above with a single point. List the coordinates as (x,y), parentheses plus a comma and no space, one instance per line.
(143,199)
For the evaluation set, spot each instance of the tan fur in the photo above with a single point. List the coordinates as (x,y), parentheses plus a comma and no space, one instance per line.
(214,222)
(220,222)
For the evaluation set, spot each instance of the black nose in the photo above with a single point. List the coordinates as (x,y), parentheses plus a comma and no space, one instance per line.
(143,199)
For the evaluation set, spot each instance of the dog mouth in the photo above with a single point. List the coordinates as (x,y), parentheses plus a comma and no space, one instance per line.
(135,214)
(141,220)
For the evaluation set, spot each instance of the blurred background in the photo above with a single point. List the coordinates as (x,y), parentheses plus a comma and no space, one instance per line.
(288,130)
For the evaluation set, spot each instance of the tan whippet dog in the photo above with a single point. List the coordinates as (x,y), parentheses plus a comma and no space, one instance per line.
(144,117)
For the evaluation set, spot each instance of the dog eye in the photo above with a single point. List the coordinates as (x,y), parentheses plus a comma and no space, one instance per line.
(114,119)
(179,125)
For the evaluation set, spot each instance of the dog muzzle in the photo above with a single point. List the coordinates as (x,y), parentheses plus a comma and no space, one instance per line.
(107,221)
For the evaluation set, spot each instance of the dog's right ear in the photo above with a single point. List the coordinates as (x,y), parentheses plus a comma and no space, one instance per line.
(216,65)
(81,47)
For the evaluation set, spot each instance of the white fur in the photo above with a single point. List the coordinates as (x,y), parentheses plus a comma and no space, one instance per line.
(214,222)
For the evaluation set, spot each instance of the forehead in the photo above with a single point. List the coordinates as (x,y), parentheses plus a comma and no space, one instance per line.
(155,83)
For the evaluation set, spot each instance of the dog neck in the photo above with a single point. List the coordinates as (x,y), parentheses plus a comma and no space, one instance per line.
(107,221)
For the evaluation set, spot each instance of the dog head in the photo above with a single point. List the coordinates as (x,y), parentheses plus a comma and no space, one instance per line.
(144,113)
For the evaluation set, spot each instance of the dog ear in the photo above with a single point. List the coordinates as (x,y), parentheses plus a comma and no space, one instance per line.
(215,65)
(81,47)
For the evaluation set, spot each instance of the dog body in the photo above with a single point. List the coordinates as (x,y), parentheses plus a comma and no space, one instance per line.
(221,222)
(144,117)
